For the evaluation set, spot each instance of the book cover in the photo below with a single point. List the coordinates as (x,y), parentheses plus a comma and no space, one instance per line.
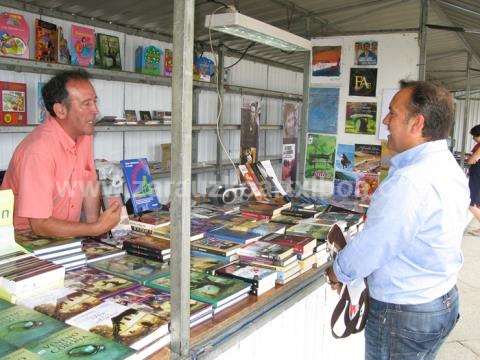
(275,188)
(203,262)
(211,289)
(61,304)
(289,162)
(299,244)
(216,246)
(156,302)
(361,118)
(250,122)
(367,158)
(64,56)
(323,110)
(82,42)
(95,282)
(145,115)
(20,325)
(286,219)
(320,157)
(345,157)
(15,35)
(366,185)
(132,267)
(266,249)
(363,82)
(249,273)
(329,218)
(149,60)
(95,250)
(149,243)
(168,63)
(314,230)
(130,116)
(5,304)
(251,180)
(13,100)
(291,119)
(326,61)
(42,111)
(108,52)
(46,41)
(267,228)
(203,68)
(72,343)
(43,244)
(366,52)
(239,237)
(120,323)
(6,349)
(344,184)
(140,185)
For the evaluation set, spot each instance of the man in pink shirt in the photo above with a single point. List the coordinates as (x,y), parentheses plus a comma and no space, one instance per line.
(52,173)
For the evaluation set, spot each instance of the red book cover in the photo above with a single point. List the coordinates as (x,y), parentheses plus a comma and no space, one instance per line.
(13,100)
(300,244)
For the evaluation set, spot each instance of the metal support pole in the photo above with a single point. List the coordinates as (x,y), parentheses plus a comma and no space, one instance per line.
(182,85)
(422,39)
(303,126)
(466,110)
(221,90)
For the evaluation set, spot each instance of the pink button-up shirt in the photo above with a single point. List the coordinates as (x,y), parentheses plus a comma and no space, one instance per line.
(50,174)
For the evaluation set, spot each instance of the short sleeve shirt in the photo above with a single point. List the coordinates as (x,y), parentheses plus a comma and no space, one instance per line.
(50,174)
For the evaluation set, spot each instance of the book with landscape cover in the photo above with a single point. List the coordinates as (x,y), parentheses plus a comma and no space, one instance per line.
(302,245)
(312,229)
(96,282)
(216,246)
(133,267)
(158,302)
(140,185)
(46,41)
(211,289)
(267,250)
(239,237)
(96,251)
(62,304)
(42,244)
(268,228)
(73,343)
(20,325)
(286,219)
(203,262)
(262,279)
(132,327)
(149,243)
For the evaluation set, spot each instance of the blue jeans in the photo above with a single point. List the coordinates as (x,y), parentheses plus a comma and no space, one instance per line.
(409,331)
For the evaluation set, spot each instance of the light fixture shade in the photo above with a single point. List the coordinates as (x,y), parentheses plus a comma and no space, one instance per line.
(249,28)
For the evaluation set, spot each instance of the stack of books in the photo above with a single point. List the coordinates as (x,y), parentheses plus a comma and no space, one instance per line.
(204,262)
(225,249)
(148,222)
(262,279)
(219,291)
(96,251)
(263,210)
(63,251)
(148,247)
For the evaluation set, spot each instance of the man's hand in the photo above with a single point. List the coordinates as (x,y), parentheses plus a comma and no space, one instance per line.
(109,218)
(332,280)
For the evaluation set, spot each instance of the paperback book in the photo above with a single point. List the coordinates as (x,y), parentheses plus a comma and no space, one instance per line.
(46,41)
(13,101)
(82,44)
(107,52)
(216,246)
(15,35)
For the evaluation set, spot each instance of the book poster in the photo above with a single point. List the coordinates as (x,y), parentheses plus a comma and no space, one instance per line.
(46,41)
(363,82)
(345,157)
(366,185)
(108,52)
(14,35)
(250,123)
(367,158)
(13,102)
(366,53)
(323,110)
(291,119)
(361,118)
(320,156)
(83,46)
(345,183)
(64,56)
(387,96)
(326,61)
(42,111)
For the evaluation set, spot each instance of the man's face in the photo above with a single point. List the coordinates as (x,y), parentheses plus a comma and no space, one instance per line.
(398,122)
(82,109)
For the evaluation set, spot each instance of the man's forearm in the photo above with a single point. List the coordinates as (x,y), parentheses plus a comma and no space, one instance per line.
(64,228)
(91,206)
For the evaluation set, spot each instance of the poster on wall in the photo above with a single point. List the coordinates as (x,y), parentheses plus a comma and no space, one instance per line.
(289,162)
(387,96)
(367,158)
(361,118)
(82,42)
(323,110)
(250,122)
(345,157)
(320,156)
(42,111)
(363,82)
(366,53)
(345,183)
(366,185)
(326,61)
(291,116)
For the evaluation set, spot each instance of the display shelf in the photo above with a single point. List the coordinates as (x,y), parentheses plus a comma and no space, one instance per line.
(39,67)
(127,128)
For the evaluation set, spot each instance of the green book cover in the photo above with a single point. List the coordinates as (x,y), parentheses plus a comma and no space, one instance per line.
(73,343)
(132,267)
(35,243)
(215,290)
(5,304)
(6,348)
(20,325)
(21,354)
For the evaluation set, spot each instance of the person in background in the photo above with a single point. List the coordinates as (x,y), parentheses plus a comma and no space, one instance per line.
(409,249)
(474,176)
(52,173)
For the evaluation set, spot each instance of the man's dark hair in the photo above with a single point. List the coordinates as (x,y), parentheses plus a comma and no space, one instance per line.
(475,131)
(435,103)
(55,90)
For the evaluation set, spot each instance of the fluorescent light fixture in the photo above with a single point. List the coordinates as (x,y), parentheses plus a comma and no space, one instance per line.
(236,24)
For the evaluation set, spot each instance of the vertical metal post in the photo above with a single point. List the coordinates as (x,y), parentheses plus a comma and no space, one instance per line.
(466,110)
(303,126)
(182,82)
(422,39)
(220,78)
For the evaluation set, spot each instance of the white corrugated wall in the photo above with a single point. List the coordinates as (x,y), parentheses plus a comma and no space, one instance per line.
(473,119)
